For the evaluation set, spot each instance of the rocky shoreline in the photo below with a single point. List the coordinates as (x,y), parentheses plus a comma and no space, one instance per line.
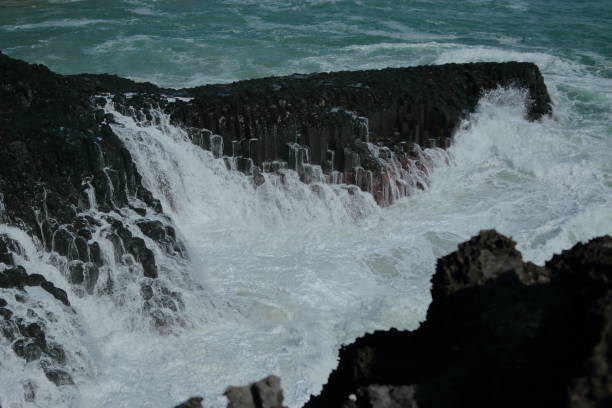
(69,183)
(499,332)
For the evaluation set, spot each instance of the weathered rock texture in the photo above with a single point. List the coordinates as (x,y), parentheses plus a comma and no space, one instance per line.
(57,151)
(266,393)
(54,146)
(25,332)
(333,120)
(365,128)
(60,163)
(499,333)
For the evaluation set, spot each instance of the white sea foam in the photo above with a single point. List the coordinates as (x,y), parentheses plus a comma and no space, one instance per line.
(63,23)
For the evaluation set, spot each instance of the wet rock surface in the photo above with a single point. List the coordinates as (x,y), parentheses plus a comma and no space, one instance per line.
(330,120)
(18,278)
(364,128)
(26,331)
(60,160)
(266,393)
(499,332)
(61,164)
(67,180)
(195,402)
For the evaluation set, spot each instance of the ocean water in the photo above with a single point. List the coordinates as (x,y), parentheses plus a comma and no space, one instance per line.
(279,277)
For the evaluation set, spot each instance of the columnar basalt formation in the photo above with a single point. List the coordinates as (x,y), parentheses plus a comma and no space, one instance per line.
(67,181)
(359,128)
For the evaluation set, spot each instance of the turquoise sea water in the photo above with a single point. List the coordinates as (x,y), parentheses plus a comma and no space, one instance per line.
(284,277)
(188,42)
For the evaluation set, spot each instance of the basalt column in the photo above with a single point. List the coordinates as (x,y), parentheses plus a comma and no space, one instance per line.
(354,127)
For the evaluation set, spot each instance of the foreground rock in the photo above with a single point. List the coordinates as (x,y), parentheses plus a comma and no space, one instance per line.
(25,332)
(266,393)
(499,333)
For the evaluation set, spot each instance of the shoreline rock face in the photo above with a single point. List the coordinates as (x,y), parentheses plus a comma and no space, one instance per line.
(364,127)
(415,105)
(499,332)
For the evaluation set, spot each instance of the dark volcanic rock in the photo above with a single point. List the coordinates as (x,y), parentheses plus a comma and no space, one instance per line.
(48,121)
(8,248)
(57,151)
(401,104)
(327,119)
(499,333)
(331,121)
(29,340)
(266,393)
(161,233)
(18,278)
(195,402)
(58,377)
(399,396)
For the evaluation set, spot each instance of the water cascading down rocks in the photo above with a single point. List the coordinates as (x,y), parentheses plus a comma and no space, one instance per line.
(69,187)
(364,128)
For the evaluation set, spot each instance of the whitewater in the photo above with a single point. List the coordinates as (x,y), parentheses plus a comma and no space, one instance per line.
(277,277)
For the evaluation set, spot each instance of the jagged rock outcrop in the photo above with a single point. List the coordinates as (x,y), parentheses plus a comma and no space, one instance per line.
(499,332)
(265,393)
(18,278)
(68,181)
(59,157)
(364,128)
(25,332)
